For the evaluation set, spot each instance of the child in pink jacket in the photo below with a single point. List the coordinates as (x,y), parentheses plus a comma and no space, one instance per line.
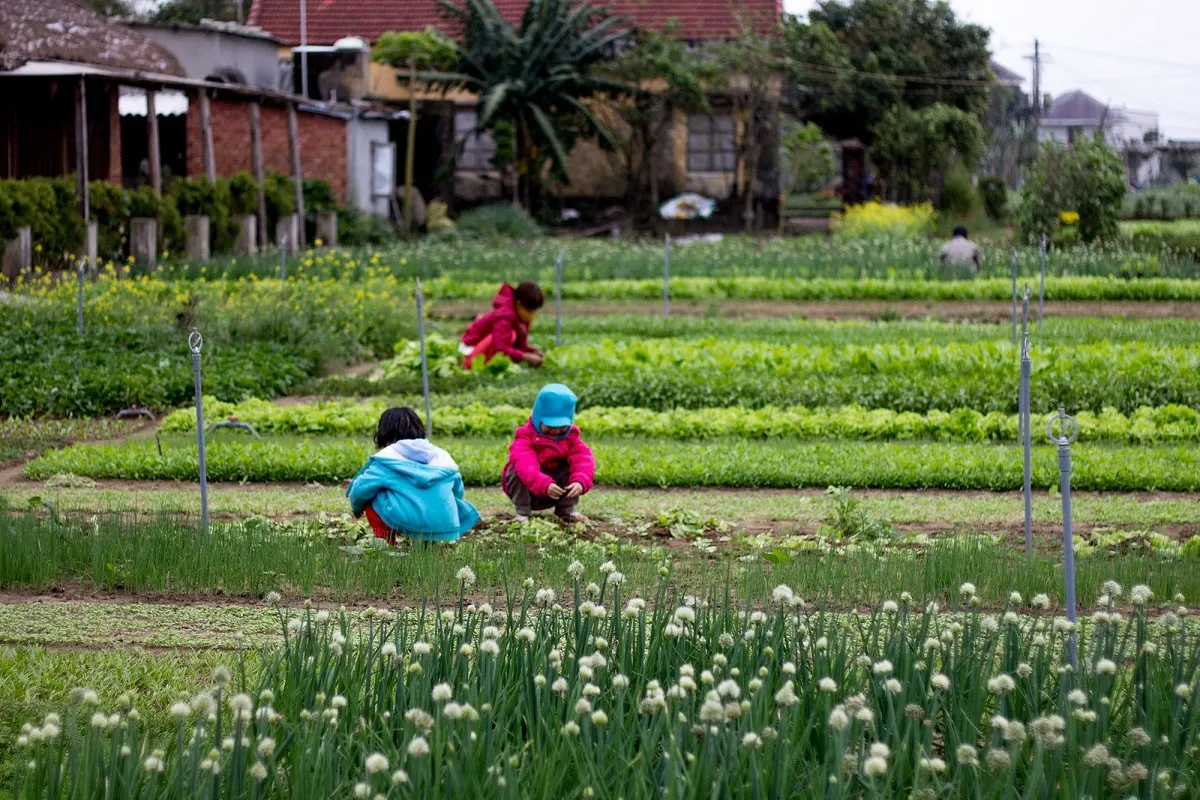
(549,466)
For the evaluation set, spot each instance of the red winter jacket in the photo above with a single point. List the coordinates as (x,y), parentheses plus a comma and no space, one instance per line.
(531,454)
(500,330)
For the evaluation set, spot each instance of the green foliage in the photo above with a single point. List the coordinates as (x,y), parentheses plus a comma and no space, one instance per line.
(198,196)
(421,50)
(498,221)
(442,357)
(356,229)
(109,207)
(877,221)
(194,11)
(243,194)
(49,207)
(994,193)
(848,519)
(1181,201)
(959,197)
(280,191)
(1181,237)
(348,417)
(807,158)
(318,196)
(915,146)
(783,464)
(144,202)
(1088,178)
(910,37)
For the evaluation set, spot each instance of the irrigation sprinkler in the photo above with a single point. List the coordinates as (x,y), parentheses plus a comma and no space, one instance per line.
(232,423)
(558,273)
(424,360)
(1014,295)
(195,343)
(1042,287)
(283,245)
(1068,432)
(129,413)
(1024,422)
(667,276)
(79,302)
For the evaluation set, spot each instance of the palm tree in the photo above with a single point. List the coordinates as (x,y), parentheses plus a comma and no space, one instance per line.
(537,78)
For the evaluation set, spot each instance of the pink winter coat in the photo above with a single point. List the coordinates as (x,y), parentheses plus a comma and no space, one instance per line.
(531,454)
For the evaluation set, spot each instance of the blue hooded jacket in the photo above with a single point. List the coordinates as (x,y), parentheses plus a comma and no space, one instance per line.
(416,489)
(554,407)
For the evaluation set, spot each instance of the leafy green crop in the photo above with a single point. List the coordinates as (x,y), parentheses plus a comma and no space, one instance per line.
(720,462)
(347,417)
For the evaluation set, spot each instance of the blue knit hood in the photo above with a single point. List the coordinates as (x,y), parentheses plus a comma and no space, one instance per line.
(554,407)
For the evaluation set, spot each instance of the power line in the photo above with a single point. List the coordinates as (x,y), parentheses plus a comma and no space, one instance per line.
(1121,57)
(887,76)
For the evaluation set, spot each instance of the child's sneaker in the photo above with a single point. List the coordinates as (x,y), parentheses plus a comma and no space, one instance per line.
(573,517)
(520,518)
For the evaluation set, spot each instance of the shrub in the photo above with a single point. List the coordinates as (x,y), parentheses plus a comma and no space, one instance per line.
(1088,178)
(145,203)
(198,196)
(958,194)
(243,194)
(49,207)
(109,209)
(882,220)
(994,193)
(500,221)
(363,230)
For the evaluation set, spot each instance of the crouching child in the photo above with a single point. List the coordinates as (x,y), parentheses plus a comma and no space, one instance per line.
(410,487)
(549,466)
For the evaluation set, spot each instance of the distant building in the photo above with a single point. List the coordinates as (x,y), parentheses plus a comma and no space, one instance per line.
(1077,114)
(221,52)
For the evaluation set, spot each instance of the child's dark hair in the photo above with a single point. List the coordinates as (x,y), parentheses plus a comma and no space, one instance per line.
(398,424)
(530,296)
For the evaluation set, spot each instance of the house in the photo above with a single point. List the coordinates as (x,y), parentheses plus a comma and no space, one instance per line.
(1132,133)
(1004,75)
(701,149)
(78,89)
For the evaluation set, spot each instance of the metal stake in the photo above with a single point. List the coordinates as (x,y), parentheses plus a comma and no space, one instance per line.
(558,275)
(195,343)
(1068,433)
(79,302)
(667,276)
(424,360)
(1042,288)
(1024,421)
(1014,295)
(283,244)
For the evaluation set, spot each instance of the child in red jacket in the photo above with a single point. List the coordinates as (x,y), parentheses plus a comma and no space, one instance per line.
(549,466)
(505,329)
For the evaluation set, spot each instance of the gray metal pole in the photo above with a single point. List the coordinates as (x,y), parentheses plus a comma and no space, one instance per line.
(667,276)
(1025,422)
(283,245)
(1042,288)
(79,302)
(195,343)
(558,276)
(1014,295)
(424,360)
(1068,433)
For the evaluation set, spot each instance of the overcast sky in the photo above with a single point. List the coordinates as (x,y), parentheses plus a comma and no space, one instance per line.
(1143,54)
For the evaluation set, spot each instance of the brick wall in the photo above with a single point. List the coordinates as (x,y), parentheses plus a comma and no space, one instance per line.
(114,140)
(322,142)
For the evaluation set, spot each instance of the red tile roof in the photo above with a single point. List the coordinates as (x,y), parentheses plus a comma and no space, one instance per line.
(330,20)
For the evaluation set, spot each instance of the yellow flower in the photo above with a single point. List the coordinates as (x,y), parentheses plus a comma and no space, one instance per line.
(1069,217)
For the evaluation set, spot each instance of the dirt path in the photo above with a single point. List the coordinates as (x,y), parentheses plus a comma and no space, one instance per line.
(950,311)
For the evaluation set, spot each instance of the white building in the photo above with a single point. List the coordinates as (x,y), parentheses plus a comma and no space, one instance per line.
(1077,115)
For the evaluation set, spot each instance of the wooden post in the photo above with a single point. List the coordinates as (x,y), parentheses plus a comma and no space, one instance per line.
(256,158)
(152,127)
(297,173)
(410,147)
(81,149)
(206,140)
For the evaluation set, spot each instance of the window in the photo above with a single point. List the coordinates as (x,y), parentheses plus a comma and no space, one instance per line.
(476,149)
(711,146)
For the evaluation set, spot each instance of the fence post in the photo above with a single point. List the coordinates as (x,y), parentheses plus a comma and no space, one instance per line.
(1042,287)
(283,246)
(195,343)
(424,360)
(79,302)
(1068,432)
(1024,421)
(667,276)
(1014,296)
(558,276)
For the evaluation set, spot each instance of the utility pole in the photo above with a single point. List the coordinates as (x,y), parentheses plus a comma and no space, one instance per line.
(1037,87)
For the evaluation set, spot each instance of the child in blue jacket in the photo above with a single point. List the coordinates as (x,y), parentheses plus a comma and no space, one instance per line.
(410,487)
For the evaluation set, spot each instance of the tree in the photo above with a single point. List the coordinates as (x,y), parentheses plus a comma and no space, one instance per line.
(834,60)
(424,51)
(539,77)
(914,148)
(1088,179)
(749,70)
(665,76)
(112,8)
(192,11)
(808,158)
